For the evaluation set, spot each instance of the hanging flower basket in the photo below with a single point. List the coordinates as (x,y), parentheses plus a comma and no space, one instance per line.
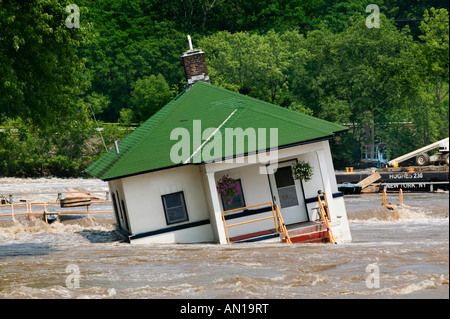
(228,188)
(302,170)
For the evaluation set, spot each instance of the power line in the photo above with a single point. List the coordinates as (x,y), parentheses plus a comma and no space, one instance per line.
(407,19)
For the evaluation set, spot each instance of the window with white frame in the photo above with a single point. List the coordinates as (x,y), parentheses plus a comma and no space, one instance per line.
(175,208)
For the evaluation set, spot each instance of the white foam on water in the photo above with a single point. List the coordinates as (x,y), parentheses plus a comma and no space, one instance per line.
(410,246)
(400,214)
(58,292)
(429,283)
(37,231)
(47,189)
(425,284)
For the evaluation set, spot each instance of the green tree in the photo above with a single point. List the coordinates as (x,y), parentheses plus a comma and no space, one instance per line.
(131,41)
(39,69)
(429,110)
(126,116)
(365,73)
(149,95)
(435,50)
(257,65)
(95,103)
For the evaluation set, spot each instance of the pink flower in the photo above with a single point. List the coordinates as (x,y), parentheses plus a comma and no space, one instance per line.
(228,188)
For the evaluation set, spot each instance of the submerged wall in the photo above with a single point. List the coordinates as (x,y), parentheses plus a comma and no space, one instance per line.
(146,211)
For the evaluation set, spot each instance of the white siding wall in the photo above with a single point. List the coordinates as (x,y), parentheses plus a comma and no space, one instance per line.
(342,229)
(123,219)
(325,180)
(145,208)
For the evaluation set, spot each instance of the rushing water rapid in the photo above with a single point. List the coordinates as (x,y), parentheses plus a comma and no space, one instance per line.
(394,254)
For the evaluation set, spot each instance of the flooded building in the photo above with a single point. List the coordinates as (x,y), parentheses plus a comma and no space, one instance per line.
(167,178)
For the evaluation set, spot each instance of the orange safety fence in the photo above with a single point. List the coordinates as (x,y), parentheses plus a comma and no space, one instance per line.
(250,221)
(384,199)
(29,209)
(13,213)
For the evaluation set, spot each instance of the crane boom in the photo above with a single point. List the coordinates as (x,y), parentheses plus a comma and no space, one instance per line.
(417,152)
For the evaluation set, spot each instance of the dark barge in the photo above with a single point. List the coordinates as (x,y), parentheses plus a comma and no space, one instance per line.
(412,179)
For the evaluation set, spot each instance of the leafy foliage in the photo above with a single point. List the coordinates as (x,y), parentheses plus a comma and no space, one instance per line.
(302,170)
(388,84)
(40,72)
(149,95)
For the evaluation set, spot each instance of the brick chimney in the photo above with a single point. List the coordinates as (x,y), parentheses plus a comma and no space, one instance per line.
(194,65)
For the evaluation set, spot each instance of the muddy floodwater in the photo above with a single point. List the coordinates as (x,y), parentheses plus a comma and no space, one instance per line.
(394,254)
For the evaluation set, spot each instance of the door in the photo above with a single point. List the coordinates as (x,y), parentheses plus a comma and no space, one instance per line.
(287,193)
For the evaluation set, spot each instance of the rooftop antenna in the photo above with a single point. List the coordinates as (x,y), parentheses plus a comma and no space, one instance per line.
(190,43)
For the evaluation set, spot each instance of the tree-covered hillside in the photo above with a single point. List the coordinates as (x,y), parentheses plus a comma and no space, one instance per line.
(388,84)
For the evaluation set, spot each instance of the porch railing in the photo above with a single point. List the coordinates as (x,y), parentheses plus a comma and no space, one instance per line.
(283,226)
(325,216)
(249,221)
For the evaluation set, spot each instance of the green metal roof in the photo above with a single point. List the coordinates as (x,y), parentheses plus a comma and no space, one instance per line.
(148,147)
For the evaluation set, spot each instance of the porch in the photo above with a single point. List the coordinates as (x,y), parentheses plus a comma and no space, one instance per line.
(303,232)
(296,201)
